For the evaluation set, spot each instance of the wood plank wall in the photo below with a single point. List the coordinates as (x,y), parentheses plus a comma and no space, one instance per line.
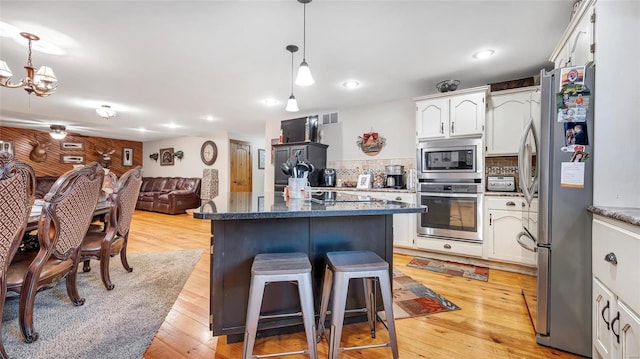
(53,165)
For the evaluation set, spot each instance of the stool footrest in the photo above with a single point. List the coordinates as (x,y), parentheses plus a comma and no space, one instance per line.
(383,345)
(286,315)
(281,354)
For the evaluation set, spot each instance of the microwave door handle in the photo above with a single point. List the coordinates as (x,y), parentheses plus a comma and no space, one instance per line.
(524,245)
(521,158)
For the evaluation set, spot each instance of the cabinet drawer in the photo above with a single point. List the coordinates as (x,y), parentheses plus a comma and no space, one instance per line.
(504,203)
(622,278)
(449,246)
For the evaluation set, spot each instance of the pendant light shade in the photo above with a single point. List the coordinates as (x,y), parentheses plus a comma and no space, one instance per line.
(304,77)
(292,104)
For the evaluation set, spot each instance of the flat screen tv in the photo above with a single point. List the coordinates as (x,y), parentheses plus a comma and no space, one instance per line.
(294,130)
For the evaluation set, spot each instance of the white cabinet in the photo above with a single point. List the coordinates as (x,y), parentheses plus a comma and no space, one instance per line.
(503,223)
(404,224)
(616,292)
(577,45)
(444,115)
(507,115)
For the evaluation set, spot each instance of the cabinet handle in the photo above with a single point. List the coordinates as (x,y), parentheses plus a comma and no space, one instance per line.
(611,258)
(617,318)
(442,127)
(511,204)
(490,218)
(447,246)
(452,128)
(603,318)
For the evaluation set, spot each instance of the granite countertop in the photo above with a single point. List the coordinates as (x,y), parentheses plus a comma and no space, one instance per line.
(273,205)
(623,214)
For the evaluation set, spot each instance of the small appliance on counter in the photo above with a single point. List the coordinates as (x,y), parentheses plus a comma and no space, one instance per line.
(329,177)
(394,176)
(501,183)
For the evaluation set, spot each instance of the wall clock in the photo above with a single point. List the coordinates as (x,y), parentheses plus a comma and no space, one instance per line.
(209,153)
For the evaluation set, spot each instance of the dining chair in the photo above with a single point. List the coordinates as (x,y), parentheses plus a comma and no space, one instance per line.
(17,190)
(101,245)
(66,214)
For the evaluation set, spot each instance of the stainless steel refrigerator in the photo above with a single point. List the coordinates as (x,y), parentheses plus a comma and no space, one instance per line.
(552,167)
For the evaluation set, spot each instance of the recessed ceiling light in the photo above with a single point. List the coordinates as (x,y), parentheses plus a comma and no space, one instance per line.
(483,54)
(209,118)
(171,125)
(141,129)
(351,84)
(270,102)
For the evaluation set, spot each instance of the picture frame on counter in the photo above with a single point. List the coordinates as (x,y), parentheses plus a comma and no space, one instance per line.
(364,181)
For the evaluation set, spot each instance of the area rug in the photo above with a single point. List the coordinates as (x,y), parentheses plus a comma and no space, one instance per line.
(111,324)
(452,268)
(412,299)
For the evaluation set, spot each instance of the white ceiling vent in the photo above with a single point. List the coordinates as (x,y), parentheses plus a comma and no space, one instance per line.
(329,118)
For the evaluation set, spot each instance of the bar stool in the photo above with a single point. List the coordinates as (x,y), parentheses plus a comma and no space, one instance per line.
(280,267)
(340,268)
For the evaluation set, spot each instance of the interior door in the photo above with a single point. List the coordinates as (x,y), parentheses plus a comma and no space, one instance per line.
(240,158)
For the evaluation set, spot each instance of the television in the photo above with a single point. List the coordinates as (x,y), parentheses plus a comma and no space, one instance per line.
(294,130)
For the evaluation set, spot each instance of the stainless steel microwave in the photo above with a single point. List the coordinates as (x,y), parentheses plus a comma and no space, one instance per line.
(451,159)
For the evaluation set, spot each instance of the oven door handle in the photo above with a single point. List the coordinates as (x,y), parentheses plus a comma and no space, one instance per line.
(455,195)
(524,233)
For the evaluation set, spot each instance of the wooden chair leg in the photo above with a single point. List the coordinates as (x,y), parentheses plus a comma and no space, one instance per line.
(123,255)
(104,272)
(3,295)
(86,266)
(27,297)
(72,286)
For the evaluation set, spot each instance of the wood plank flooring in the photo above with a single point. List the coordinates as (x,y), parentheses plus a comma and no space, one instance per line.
(493,322)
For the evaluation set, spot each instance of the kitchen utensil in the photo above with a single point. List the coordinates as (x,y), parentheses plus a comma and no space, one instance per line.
(286,169)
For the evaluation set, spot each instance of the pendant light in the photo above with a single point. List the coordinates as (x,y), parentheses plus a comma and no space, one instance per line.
(304,73)
(292,104)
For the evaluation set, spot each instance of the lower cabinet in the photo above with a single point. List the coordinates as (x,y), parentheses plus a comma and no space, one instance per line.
(615,294)
(502,224)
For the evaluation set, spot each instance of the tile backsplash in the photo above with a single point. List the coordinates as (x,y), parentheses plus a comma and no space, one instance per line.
(347,171)
(501,166)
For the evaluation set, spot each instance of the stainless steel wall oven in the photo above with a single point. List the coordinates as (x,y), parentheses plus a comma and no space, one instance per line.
(450,174)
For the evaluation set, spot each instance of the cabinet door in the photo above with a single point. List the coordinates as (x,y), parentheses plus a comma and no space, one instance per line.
(506,119)
(404,224)
(629,333)
(281,156)
(502,230)
(432,118)
(467,114)
(603,308)
(580,41)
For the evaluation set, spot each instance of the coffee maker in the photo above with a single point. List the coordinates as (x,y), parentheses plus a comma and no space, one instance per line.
(394,176)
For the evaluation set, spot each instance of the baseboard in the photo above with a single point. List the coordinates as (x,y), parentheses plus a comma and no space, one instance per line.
(509,267)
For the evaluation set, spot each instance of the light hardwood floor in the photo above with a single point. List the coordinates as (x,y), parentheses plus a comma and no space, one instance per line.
(493,322)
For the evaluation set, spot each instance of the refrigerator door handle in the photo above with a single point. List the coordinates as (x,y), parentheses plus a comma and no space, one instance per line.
(533,248)
(527,190)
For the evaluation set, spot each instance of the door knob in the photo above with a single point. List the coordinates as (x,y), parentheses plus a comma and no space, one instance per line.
(611,258)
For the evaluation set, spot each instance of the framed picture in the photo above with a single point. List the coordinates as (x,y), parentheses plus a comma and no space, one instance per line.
(364,181)
(74,159)
(71,146)
(261,157)
(127,157)
(6,146)
(166,156)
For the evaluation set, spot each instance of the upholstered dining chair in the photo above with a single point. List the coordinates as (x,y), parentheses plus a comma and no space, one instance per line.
(100,245)
(17,190)
(66,214)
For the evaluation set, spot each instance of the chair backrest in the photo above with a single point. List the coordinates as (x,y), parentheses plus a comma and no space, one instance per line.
(17,190)
(125,195)
(68,210)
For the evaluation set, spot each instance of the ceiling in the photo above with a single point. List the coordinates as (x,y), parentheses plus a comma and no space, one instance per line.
(163,62)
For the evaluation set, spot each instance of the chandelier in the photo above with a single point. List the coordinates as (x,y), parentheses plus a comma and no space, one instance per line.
(292,104)
(43,84)
(304,72)
(106,112)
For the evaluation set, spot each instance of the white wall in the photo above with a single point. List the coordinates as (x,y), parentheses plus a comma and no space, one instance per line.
(192,166)
(617,105)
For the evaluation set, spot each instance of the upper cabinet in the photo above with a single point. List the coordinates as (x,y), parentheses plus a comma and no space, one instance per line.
(577,45)
(451,114)
(508,113)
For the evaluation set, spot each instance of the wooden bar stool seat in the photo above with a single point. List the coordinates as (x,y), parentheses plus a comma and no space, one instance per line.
(340,268)
(280,267)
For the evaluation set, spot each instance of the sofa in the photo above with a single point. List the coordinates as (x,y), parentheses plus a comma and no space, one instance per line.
(171,195)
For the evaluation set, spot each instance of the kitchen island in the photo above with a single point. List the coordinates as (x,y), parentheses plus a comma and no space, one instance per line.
(246,224)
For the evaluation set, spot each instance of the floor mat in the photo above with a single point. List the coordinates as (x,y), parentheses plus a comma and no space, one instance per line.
(452,268)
